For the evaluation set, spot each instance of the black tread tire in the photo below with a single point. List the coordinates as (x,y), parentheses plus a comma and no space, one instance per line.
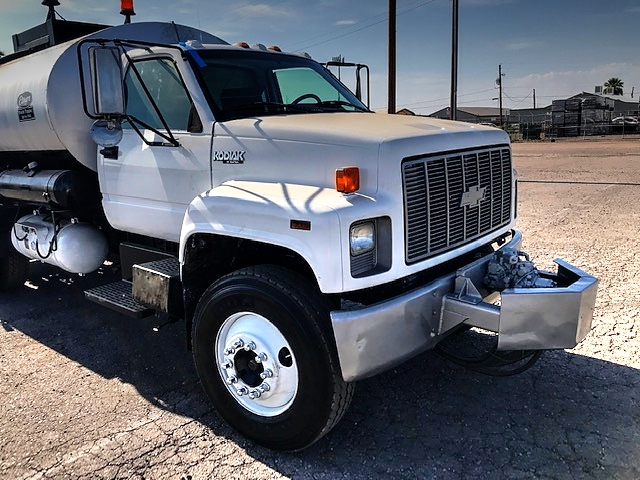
(289,302)
(14,271)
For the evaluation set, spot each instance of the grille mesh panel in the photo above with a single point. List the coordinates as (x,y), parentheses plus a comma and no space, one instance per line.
(454,198)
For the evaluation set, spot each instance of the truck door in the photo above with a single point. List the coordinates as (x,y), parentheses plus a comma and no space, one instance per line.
(148,187)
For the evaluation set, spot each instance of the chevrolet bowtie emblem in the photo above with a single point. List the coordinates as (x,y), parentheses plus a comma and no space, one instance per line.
(473,196)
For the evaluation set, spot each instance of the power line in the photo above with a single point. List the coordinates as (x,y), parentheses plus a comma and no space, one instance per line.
(435,100)
(517,101)
(407,10)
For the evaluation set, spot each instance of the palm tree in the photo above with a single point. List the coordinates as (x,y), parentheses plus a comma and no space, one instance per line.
(614,86)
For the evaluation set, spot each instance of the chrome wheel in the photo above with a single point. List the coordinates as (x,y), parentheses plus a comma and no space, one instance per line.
(256,364)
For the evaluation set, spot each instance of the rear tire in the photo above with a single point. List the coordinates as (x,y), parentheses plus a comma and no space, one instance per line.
(264,352)
(14,271)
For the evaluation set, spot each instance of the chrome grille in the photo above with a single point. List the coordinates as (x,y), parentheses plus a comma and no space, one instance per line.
(453,198)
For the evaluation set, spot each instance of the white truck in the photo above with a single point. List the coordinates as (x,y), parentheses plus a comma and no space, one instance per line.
(305,241)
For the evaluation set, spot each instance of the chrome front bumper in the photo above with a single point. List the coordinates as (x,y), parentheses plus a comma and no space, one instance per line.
(378,337)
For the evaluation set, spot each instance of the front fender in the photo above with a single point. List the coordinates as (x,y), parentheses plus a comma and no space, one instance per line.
(267,212)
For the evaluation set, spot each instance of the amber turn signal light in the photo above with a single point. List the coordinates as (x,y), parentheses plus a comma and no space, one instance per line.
(348,179)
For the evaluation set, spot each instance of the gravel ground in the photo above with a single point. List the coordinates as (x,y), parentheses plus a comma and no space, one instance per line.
(87,393)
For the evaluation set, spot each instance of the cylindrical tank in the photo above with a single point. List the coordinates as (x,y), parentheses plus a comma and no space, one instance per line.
(41,98)
(74,247)
(64,188)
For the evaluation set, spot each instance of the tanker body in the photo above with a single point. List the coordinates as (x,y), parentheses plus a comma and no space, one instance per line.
(305,241)
(41,107)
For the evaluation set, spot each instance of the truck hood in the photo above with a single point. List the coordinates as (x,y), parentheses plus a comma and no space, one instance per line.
(307,149)
(354,128)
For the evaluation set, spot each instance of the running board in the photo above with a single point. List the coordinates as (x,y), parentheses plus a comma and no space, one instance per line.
(118,296)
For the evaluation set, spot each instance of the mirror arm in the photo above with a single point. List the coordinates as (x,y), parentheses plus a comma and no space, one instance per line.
(134,122)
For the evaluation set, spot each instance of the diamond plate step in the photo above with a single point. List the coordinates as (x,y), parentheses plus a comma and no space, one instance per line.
(117,296)
(169,267)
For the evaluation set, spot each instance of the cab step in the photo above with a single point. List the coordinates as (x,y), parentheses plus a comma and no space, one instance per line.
(118,296)
(157,285)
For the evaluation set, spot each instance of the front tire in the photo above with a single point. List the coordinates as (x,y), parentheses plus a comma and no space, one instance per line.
(264,352)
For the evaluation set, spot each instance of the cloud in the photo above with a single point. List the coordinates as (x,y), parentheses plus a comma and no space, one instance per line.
(10,6)
(345,22)
(560,84)
(524,45)
(263,10)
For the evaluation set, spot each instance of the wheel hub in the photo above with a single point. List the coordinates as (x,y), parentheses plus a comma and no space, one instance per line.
(256,364)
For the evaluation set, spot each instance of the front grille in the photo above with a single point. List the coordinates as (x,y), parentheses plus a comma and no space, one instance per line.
(452,198)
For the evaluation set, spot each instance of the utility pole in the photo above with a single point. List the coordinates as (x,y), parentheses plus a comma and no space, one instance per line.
(499,82)
(453,109)
(391,94)
(534,98)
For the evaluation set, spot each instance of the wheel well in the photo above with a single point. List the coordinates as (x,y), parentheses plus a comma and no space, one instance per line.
(208,257)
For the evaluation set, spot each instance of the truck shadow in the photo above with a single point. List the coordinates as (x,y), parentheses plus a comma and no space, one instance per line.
(570,416)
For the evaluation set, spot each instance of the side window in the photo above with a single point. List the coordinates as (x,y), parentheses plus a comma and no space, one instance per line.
(165,87)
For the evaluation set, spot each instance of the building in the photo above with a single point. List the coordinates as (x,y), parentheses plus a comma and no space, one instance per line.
(475,114)
(593,114)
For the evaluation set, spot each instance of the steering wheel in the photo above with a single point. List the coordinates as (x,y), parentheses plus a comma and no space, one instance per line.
(305,96)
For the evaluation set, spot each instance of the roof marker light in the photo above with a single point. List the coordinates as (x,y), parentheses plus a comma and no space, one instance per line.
(241,44)
(126,9)
(275,48)
(348,179)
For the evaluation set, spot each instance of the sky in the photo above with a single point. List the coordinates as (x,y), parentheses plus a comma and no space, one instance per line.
(557,47)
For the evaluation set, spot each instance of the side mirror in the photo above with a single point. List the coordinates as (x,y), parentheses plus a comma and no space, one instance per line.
(106,81)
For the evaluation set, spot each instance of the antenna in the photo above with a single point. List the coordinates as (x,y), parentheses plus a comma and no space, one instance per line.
(52,4)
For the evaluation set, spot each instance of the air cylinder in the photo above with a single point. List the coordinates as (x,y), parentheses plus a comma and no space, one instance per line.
(68,244)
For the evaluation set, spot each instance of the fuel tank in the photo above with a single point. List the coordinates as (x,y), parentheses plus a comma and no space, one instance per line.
(41,107)
(62,188)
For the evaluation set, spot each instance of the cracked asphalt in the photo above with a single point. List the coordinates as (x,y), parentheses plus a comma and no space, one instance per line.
(88,394)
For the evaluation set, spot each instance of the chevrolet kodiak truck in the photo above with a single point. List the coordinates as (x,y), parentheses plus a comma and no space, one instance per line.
(305,241)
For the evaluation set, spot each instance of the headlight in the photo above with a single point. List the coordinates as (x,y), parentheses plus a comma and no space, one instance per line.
(362,238)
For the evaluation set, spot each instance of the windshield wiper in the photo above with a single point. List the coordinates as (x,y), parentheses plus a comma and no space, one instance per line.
(342,103)
(280,106)
(288,107)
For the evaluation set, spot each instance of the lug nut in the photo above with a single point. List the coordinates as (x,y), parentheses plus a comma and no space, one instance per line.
(266,374)
(227,364)
(242,391)
(229,351)
(250,346)
(231,380)
(265,387)
(253,394)
(238,343)
(261,357)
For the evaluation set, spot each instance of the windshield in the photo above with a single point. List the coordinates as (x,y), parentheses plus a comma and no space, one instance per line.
(243,84)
